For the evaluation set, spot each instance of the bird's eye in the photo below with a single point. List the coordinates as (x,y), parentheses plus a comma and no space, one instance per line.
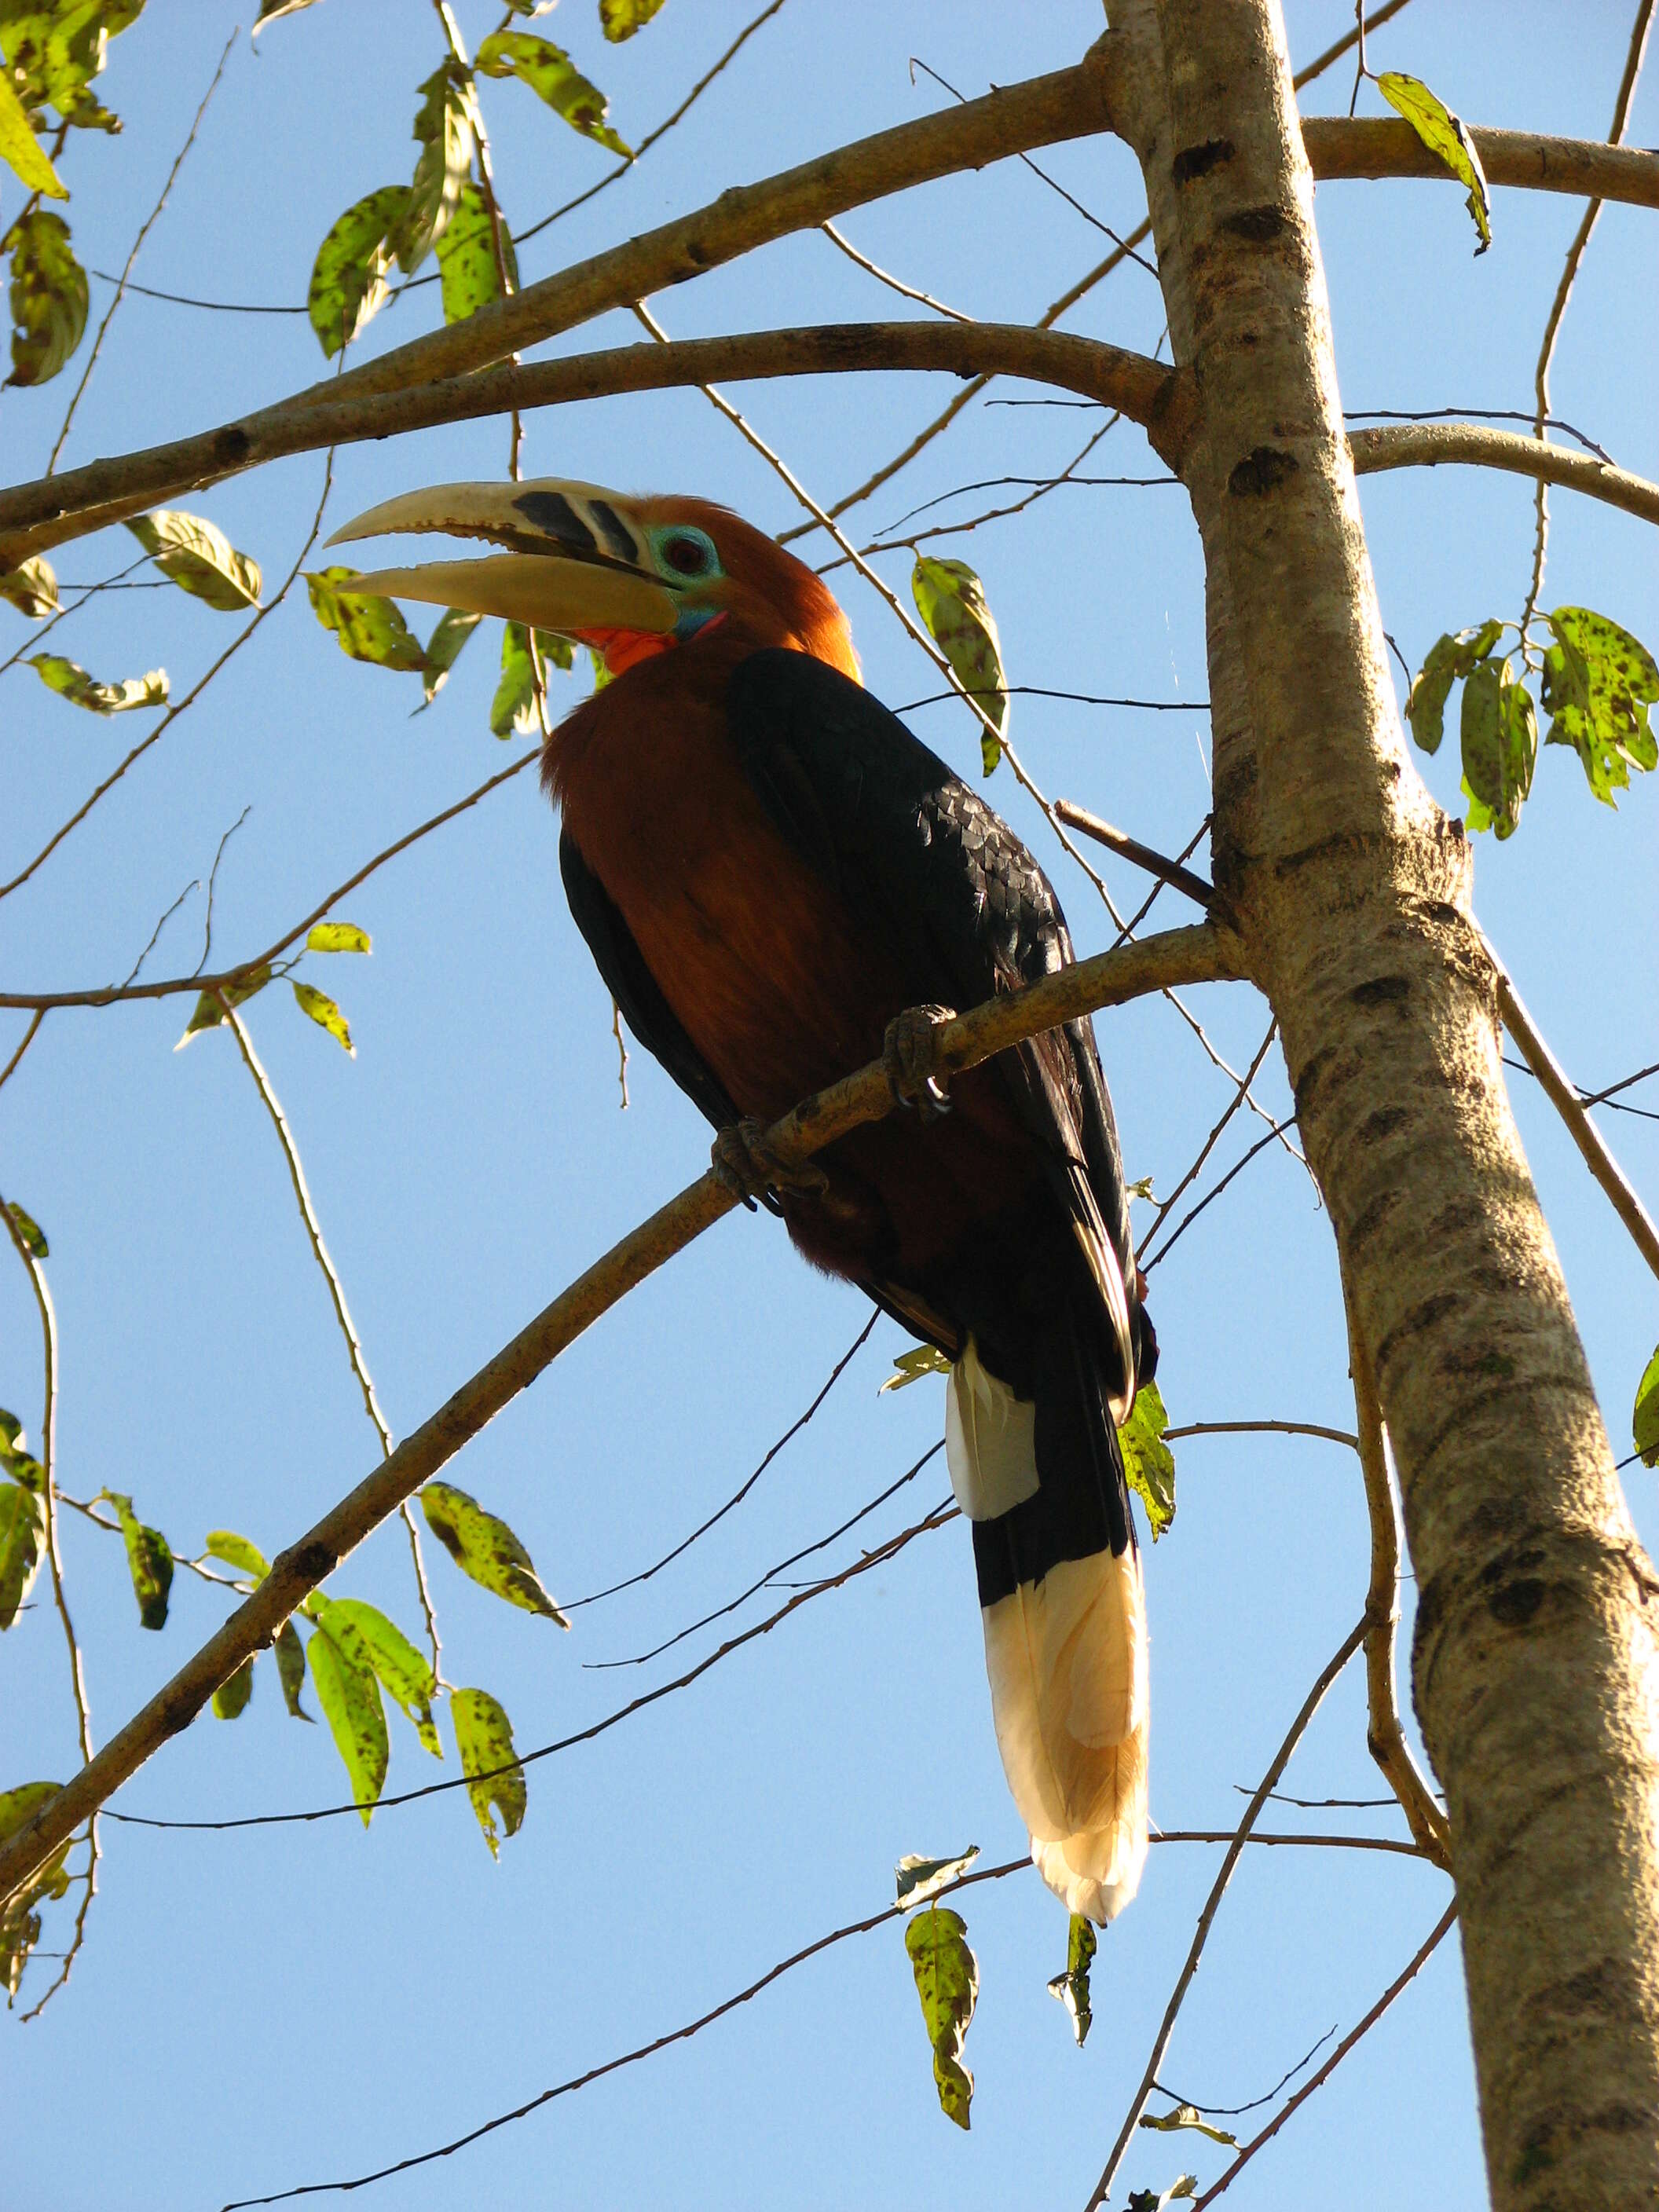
(687,556)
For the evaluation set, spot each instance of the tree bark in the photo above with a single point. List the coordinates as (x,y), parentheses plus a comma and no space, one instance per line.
(1533,1662)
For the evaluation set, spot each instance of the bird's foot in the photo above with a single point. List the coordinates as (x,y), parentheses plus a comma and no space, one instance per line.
(909,1054)
(751,1169)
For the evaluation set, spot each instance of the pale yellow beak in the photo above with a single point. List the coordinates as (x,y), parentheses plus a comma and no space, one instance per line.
(581,559)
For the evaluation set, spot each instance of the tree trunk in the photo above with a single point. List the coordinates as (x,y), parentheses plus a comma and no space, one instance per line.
(1533,1664)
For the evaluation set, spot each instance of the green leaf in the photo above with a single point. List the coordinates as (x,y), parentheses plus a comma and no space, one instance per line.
(1644,1421)
(513,710)
(443,649)
(910,1367)
(444,132)
(200,558)
(947,1982)
(22,1537)
(552,76)
(1445,136)
(350,1698)
(483,1737)
(230,1699)
(323,1011)
(1499,737)
(149,1561)
(1449,659)
(208,1013)
(1147,1460)
(224,1544)
(33,1236)
(72,682)
(919,1879)
(16,1459)
(49,296)
(32,587)
(620,19)
(1071,1987)
(291,1668)
(468,278)
(1187,2116)
(338,936)
(368,628)
(950,600)
(21,149)
(486,1549)
(19,1924)
(364,1632)
(55,47)
(348,277)
(1599,685)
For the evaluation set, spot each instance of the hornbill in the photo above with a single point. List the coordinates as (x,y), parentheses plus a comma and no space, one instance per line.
(779,883)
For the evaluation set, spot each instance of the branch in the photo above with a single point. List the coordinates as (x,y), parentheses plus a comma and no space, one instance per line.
(1384,1736)
(36,516)
(1381,146)
(1199,954)
(1427,445)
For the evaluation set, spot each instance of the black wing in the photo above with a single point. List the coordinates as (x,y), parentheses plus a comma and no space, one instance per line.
(644,1008)
(956,894)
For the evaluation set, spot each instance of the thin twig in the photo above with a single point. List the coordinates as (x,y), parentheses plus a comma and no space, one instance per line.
(1210,1196)
(1241,1091)
(1232,2112)
(1264,1428)
(622,1052)
(148,224)
(89,1878)
(1310,1705)
(1638,40)
(885,276)
(1563,1096)
(28,1039)
(1384,1737)
(1408,1973)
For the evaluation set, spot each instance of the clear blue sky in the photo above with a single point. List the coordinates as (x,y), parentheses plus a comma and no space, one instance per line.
(283,2005)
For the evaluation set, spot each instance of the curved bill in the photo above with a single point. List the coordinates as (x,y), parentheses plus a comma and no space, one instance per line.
(580,559)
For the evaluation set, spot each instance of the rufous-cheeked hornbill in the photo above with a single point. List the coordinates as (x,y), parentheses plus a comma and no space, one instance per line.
(770,869)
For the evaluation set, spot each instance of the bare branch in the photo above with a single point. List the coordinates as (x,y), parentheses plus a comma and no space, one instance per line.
(1428,445)
(1200,954)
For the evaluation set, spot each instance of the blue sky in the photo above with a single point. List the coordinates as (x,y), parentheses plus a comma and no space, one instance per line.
(289,2004)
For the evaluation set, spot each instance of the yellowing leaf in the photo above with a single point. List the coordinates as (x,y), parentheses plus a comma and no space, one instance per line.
(364,1633)
(486,1549)
(950,600)
(620,19)
(947,1983)
(236,1552)
(1147,1460)
(443,132)
(1445,136)
(348,277)
(338,936)
(1599,686)
(270,11)
(552,76)
(49,296)
(21,150)
(31,587)
(208,1013)
(350,1698)
(368,628)
(1072,1988)
(200,558)
(326,1015)
(149,1561)
(71,682)
(918,1879)
(19,1924)
(1644,1421)
(910,1367)
(483,1737)
(1186,2116)
(468,278)
(22,1536)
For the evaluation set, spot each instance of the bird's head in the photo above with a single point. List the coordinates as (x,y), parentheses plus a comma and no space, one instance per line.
(630,577)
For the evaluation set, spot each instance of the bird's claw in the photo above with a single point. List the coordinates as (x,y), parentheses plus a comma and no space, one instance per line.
(751,1169)
(909,1054)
